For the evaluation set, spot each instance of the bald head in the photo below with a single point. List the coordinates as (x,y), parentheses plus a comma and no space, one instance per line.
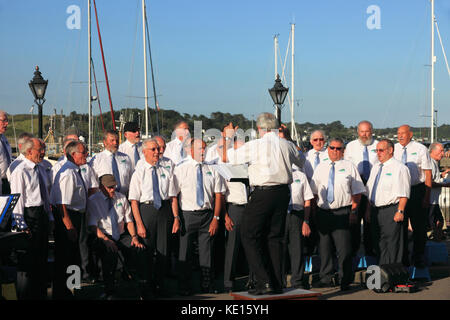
(162,145)
(404,134)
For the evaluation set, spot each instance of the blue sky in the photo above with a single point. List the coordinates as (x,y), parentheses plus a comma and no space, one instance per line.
(218,56)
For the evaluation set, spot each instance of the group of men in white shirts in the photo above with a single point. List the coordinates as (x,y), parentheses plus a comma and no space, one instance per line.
(135,196)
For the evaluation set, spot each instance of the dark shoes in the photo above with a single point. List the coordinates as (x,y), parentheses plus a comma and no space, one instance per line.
(324,285)
(263,289)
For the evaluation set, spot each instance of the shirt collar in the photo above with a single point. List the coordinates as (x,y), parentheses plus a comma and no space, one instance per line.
(30,164)
(149,166)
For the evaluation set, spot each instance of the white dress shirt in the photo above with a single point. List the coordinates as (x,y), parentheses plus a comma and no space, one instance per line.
(417,160)
(45,165)
(3,158)
(101,163)
(25,181)
(270,160)
(173,151)
(394,182)
(354,152)
(186,183)
(99,214)
(347,183)
(89,177)
(236,192)
(310,160)
(141,185)
(128,148)
(300,190)
(436,177)
(68,188)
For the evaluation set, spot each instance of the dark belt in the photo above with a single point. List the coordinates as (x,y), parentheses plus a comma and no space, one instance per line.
(237,205)
(199,211)
(332,210)
(419,185)
(278,186)
(387,206)
(151,202)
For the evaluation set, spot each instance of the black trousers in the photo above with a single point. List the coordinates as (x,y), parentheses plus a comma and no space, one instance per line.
(387,235)
(295,246)
(34,261)
(262,233)
(88,260)
(6,189)
(355,231)
(419,221)
(158,226)
(134,259)
(233,244)
(195,224)
(333,226)
(67,252)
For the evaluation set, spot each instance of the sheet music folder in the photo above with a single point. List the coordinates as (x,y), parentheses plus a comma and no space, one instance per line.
(7,204)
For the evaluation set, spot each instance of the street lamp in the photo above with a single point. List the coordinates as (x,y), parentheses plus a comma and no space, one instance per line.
(38,86)
(278,94)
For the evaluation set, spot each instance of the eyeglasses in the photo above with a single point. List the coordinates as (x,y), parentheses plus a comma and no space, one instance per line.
(3,120)
(153,149)
(380,150)
(337,148)
(111,187)
(318,139)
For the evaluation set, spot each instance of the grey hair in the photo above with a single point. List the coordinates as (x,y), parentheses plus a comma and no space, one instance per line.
(72,147)
(336,140)
(22,138)
(389,143)
(267,121)
(365,121)
(161,137)
(434,145)
(3,113)
(146,142)
(26,145)
(321,132)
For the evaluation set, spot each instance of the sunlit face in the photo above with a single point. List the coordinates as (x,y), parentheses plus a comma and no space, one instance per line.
(151,152)
(365,132)
(37,152)
(335,151)
(162,146)
(133,137)
(198,150)
(317,141)
(437,153)
(3,123)
(111,143)
(404,135)
(384,152)
(79,156)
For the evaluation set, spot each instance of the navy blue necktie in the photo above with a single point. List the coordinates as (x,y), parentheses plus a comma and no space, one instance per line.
(366,164)
(330,189)
(42,189)
(375,185)
(200,193)
(114,223)
(136,154)
(115,170)
(5,150)
(155,186)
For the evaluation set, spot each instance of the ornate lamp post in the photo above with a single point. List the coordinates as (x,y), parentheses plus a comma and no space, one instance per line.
(278,94)
(38,86)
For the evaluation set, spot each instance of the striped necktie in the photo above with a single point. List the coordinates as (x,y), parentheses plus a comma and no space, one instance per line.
(200,193)
(375,185)
(330,189)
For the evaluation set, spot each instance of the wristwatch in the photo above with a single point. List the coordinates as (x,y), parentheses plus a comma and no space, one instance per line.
(306,221)
(400,211)
(216,217)
(177,217)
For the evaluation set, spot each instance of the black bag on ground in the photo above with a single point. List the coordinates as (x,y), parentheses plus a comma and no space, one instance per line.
(391,275)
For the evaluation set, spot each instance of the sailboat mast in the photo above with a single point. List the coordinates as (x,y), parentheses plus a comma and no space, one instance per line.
(433,61)
(145,68)
(275,48)
(89,79)
(292,81)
